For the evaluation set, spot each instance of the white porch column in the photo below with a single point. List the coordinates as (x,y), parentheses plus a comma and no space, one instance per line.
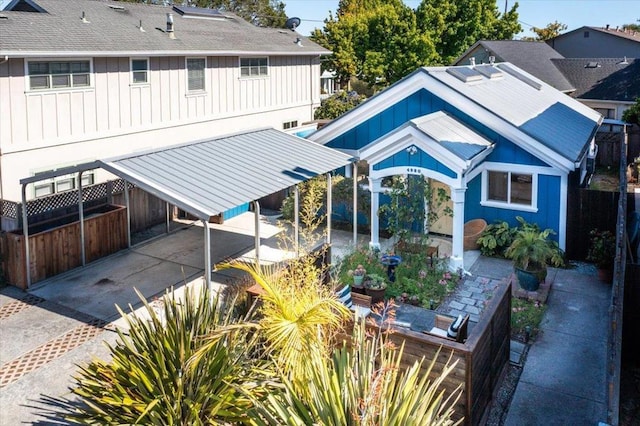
(355,204)
(375,187)
(456,261)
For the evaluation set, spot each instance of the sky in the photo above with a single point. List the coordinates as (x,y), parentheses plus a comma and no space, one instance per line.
(538,13)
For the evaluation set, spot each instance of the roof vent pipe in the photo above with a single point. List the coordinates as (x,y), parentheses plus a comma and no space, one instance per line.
(472,61)
(84,18)
(492,60)
(607,27)
(140,27)
(170,25)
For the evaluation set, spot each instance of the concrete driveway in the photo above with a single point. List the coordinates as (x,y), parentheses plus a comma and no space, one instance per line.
(64,321)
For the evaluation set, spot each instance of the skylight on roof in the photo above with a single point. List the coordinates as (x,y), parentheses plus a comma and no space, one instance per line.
(465,74)
(592,64)
(198,12)
(489,71)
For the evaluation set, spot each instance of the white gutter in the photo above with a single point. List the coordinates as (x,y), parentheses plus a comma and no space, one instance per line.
(122,53)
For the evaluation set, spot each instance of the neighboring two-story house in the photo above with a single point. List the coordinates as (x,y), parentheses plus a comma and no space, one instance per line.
(595,42)
(84,79)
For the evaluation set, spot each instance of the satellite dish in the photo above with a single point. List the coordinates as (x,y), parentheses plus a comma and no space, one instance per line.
(292,23)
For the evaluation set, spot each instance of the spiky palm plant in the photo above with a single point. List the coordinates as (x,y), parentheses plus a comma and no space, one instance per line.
(362,384)
(150,380)
(299,315)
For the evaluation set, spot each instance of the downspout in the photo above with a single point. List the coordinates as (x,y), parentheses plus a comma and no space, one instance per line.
(6,59)
(25,234)
(256,208)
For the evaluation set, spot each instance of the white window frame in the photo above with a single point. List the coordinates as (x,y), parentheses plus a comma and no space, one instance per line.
(50,75)
(510,168)
(204,74)
(134,72)
(88,178)
(250,67)
(291,124)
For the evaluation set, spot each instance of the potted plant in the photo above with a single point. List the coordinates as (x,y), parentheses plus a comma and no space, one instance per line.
(375,286)
(602,251)
(358,277)
(531,251)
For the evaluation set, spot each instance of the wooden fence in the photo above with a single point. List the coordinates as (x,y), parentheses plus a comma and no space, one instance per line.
(589,209)
(482,359)
(58,249)
(145,209)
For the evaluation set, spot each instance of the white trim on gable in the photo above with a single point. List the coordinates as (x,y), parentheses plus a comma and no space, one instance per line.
(421,79)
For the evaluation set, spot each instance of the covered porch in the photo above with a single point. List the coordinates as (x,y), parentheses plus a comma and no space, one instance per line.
(436,146)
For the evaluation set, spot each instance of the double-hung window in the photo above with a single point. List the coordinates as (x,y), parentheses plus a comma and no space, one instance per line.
(195,74)
(139,71)
(59,74)
(509,189)
(254,67)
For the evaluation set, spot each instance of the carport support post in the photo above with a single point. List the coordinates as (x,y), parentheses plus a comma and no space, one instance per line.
(329,207)
(355,203)
(81,218)
(127,203)
(207,259)
(296,216)
(25,234)
(167,224)
(457,251)
(256,208)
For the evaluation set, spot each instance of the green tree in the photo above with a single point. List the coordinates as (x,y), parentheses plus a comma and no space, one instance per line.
(336,105)
(632,115)
(454,25)
(552,30)
(631,27)
(377,41)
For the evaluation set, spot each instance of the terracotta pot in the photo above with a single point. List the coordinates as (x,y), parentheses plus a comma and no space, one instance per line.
(605,275)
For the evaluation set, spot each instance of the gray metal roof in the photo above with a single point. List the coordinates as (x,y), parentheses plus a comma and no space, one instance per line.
(452,134)
(112,28)
(533,57)
(206,178)
(554,119)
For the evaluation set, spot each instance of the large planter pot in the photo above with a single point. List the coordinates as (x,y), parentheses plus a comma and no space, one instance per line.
(530,280)
(377,295)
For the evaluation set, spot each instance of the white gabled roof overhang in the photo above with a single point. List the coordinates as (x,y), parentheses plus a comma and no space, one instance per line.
(420,79)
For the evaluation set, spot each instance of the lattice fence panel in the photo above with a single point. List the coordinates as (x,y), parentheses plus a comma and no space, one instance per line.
(9,209)
(52,202)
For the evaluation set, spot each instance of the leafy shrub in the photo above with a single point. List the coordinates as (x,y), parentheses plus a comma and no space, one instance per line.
(496,238)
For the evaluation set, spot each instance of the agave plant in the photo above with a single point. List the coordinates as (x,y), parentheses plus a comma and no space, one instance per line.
(362,384)
(150,379)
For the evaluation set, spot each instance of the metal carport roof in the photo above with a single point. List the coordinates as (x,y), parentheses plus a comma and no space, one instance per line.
(206,178)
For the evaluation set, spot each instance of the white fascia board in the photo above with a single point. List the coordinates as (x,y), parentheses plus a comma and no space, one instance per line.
(152,53)
(421,80)
(409,170)
(176,199)
(407,136)
(606,100)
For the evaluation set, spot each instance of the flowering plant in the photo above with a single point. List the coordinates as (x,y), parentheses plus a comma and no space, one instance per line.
(602,249)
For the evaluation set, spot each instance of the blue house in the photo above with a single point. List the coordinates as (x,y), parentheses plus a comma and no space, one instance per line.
(502,142)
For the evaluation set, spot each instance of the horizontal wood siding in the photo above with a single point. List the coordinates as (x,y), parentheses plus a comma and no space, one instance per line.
(58,250)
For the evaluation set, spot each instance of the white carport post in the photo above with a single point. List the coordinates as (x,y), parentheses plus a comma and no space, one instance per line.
(167,212)
(81,218)
(25,234)
(128,205)
(296,215)
(355,203)
(207,259)
(329,207)
(256,230)
(375,187)
(457,251)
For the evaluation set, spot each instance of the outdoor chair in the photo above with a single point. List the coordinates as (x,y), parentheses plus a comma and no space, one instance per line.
(442,324)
